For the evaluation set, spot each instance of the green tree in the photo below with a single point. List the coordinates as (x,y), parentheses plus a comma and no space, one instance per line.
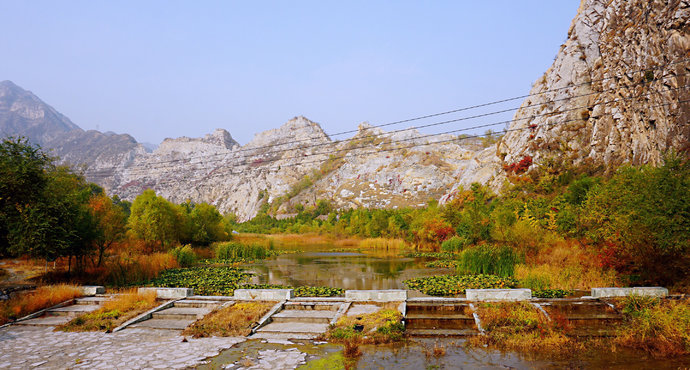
(154,219)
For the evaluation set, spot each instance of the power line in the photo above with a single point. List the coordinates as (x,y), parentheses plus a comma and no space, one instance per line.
(243,159)
(135,171)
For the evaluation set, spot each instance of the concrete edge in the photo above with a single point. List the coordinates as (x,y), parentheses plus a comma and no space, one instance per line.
(41,312)
(341,311)
(146,315)
(267,317)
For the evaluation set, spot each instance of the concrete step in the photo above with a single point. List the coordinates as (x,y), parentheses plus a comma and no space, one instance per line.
(46,321)
(91,300)
(290,328)
(197,303)
(438,316)
(434,324)
(441,332)
(163,324)
(315,306)
(182,313)
(598,316)
(436,308)
(304,316)
(73,310)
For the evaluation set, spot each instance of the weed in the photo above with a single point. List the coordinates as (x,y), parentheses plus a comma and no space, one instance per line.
(488,259)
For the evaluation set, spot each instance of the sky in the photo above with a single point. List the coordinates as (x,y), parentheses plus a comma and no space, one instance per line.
(159,69)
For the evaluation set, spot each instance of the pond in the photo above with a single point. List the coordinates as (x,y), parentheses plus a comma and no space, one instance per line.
(320,265)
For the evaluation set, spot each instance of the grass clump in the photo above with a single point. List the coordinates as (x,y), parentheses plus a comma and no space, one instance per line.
(113,312)
(450,285)
(206,280)
(455,244)
(488,259)
(519,326)
(235,320)
(43,297)
(661,328)
(383,326)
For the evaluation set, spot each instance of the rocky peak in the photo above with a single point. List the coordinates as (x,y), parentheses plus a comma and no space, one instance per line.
(299,132)
(23,113)
(218,141)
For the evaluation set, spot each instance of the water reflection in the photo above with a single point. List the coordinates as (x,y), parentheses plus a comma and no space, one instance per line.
(347,270)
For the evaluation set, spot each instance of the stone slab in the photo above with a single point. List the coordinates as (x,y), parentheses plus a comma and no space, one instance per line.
(305,313)
(263,294)
(163,324)
(498,294)
(391,295)
(182,313)
(74,309)
(362,309)
(169,293)
(624,292)
(46,321)
(92,289)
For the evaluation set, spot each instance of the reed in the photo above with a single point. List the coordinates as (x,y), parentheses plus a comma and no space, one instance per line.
(488,259)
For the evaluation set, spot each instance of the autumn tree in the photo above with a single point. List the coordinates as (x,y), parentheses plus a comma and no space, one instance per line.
(111,221)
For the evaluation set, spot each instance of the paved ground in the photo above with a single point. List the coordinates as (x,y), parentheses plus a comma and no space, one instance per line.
(25,347)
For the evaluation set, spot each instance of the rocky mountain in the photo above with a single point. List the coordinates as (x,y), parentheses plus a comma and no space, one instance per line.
(617,92)
(23,114)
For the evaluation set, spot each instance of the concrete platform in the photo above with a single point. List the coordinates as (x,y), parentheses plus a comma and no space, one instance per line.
(92,300)
(498,294)
(198,303)
(168,293)
(390,295)
(624,292)
(263,294)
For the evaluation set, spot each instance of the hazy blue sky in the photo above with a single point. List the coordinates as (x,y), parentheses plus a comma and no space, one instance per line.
(158,69)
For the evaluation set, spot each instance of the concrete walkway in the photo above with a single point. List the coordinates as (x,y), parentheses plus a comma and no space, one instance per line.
(26,347)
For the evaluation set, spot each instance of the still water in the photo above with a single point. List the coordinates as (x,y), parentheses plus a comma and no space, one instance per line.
(319,266)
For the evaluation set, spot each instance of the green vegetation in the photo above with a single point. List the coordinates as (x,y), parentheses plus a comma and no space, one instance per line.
(240,252)
(488,259)
(551,293)
(382,326)
(206,280)
(301,291)
(184,255)
(450,285)
(448,264)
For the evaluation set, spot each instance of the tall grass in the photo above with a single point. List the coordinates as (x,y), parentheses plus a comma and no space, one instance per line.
(134,268)
(29,302)
(382,243)
(236,251)
(564,266)
(661,328)
(488,259)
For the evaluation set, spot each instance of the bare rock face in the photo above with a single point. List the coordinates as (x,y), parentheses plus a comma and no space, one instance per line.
(616,90)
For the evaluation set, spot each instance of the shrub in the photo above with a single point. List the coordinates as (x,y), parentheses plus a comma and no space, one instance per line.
(184,255)
(488,259)
(454,244)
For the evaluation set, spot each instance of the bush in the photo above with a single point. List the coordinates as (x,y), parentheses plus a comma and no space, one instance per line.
(488,259)
(184,255)
(455,244)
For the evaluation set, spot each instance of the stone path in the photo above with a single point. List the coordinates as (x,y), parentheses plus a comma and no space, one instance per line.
(25,347)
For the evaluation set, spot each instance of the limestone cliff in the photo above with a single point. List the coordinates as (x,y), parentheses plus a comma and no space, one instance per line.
(617,91)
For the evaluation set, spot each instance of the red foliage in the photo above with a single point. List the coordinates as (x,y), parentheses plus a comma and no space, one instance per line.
(519,167)
(613,256)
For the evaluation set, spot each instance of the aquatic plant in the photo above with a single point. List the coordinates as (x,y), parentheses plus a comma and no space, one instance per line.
(450,285)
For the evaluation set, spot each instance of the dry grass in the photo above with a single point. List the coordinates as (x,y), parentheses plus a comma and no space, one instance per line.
(520,327)
(22,269)
(661,328)
(383,243)
(564,266)
(29,302)
(114,312)
(130,268)
(236,320)
(383,326)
